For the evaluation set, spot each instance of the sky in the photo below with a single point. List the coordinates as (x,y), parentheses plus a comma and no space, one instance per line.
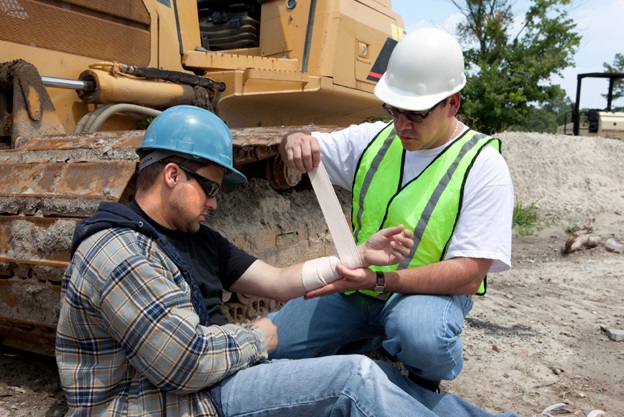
(599,22)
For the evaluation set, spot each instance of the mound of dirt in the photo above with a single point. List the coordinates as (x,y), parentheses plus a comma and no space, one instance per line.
(570,179)
(542,335)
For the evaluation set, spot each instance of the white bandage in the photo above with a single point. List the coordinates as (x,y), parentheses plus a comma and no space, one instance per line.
(336,222)
(319,272)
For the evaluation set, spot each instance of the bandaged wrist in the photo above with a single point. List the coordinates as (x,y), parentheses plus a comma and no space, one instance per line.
(318,272)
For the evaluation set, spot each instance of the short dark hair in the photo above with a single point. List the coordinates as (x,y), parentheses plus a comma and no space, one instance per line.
(147,176)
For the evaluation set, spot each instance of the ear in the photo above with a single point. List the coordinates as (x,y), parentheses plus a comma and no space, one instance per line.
(171,175)
(454,102)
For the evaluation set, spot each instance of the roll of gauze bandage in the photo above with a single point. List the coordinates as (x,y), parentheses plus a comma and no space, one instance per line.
(318,272)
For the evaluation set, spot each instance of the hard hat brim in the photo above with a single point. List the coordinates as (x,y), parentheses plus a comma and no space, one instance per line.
(234,177)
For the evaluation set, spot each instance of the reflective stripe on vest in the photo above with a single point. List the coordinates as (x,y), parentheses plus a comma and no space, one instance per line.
(429,204)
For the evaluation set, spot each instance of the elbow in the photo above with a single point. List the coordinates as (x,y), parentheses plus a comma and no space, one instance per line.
(472,287)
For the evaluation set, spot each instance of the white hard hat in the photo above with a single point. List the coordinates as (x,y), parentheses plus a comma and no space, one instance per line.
(425,67)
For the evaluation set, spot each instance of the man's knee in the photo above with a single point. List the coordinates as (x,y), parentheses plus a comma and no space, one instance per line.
(435,356)
(350,368)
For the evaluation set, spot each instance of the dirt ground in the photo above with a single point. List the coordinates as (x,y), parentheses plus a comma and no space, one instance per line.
(538,337)
(543,334)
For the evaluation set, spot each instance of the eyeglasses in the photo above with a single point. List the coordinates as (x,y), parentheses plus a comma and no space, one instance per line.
(412,116)
(211,188)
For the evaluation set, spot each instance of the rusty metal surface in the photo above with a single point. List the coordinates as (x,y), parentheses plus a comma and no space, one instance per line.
(99,180)
(117,140)
(27,336)
(50,184)
(29,301)
(22,91)
(37,237)
(250,144)
(28,314)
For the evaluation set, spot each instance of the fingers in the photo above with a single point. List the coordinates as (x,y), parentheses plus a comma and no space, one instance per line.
(269,329)
(351,278)
(399,234)
(401,249)
(310,154)
(331,288)
(391,231)
(405,241)
(320,292)
(300,151)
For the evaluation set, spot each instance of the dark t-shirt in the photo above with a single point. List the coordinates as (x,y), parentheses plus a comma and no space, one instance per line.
(215,262)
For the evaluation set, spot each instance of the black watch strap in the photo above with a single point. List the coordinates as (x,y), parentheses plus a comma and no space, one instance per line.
(380,285)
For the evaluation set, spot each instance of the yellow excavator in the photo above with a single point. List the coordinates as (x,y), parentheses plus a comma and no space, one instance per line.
(605,122)
(80,80)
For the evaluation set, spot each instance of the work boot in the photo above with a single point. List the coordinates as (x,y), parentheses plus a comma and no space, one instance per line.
(433,386)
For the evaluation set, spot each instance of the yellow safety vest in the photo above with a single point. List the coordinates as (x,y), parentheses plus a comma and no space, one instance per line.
(429,204)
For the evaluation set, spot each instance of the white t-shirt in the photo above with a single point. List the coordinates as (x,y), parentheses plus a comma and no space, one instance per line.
(484,225)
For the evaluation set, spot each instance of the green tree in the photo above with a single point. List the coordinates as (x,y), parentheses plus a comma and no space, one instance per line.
(617,66)
(548,116)
(509,70)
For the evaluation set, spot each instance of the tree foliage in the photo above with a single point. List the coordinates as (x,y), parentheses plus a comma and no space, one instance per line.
(509,66)
(546,118)
(617,66)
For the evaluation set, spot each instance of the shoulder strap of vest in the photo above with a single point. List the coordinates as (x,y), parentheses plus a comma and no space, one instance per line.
(384,143)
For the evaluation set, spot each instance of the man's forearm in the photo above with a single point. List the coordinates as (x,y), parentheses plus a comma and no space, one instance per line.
(452,276)
(284,284)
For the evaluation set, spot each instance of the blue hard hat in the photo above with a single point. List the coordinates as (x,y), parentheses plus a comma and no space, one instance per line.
(193,133)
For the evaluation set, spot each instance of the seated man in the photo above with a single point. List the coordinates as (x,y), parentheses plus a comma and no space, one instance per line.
(136,338)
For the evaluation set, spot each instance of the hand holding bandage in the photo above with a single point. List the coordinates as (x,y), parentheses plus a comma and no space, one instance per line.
(386,247)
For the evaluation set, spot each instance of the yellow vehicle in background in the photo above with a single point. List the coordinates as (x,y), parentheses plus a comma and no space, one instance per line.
(80,78)
(595,122)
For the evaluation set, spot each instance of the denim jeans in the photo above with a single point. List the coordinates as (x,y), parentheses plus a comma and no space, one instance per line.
(421,331)
(345,385)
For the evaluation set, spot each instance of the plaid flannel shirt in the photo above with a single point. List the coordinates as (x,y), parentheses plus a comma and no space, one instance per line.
(128,339)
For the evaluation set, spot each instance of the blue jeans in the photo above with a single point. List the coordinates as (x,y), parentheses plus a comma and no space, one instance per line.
(421,331)
(346,385)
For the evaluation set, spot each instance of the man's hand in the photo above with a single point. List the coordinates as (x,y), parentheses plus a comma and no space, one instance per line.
(269,329)
(300,151)
(352,279)
(387,247)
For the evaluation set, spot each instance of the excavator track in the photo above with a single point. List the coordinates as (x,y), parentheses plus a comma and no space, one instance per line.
(50,184)
(71,107)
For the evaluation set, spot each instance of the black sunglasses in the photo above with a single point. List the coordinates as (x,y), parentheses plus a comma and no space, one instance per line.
(412,116)
(211,188)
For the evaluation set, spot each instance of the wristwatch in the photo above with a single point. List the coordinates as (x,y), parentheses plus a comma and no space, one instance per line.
(380,286)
